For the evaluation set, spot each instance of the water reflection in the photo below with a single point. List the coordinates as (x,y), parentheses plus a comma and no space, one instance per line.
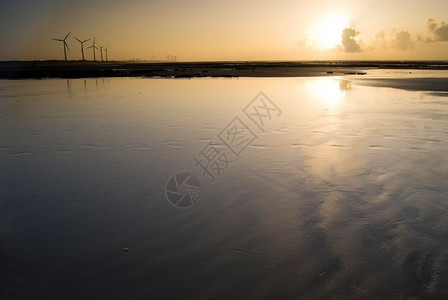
(319,201)
(345,85)
(329,92)
(72,85)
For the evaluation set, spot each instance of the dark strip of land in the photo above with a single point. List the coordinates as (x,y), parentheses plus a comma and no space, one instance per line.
(86,69)
(436,86)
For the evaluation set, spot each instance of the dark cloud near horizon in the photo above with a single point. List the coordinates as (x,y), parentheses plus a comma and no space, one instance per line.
(440,30)
(348,40)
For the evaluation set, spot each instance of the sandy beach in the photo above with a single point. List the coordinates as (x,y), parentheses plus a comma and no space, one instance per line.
(340,194)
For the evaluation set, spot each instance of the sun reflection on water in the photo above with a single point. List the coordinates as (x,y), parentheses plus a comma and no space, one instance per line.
(329,92)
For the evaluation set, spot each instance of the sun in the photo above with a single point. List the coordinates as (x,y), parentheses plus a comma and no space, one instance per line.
(327,33)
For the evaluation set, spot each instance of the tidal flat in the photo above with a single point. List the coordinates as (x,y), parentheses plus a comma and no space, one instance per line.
(338,189)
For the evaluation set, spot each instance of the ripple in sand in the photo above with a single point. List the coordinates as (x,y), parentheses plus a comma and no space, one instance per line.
(137,146)
(300,145)
(95,146)
(173,144)
(416,149)
(205,140)
(20,153)
(260,146)
(282,130)
(209,128)
(64,150)
(431,140)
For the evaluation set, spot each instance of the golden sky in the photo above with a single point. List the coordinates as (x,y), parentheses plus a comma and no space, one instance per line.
(227,30)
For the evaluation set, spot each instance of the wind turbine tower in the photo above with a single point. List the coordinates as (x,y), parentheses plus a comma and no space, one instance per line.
(82,45)
(93,46)
(64,44)
(101,51)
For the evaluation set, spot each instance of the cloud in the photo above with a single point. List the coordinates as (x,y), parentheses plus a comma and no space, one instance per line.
(403,40)
(380,41)
(349,42)
(440,31)
(400,40)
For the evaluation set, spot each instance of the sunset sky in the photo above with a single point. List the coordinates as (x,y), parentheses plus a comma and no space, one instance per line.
(204,30)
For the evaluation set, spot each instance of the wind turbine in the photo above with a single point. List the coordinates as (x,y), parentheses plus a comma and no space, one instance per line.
(105,50)
(64,44)
(82,45)
(101,51)
(93,49)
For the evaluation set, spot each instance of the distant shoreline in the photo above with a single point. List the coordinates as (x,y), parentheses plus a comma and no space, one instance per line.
(89,69)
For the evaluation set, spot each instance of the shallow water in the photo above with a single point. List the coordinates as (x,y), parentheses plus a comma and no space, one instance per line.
(342,193)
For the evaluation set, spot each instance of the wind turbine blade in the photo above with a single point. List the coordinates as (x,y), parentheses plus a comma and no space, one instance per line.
(65,44)
(57,40)
(77,39)
(86,40)
(67,35)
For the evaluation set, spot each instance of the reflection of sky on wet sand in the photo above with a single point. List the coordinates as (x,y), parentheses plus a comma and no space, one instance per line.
(328,91)
(344,195)
(381,170)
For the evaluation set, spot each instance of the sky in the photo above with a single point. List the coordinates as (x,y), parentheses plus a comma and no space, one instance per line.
(230,30)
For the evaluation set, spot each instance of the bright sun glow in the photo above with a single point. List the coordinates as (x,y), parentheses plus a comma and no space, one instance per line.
(328,92)
(327,33)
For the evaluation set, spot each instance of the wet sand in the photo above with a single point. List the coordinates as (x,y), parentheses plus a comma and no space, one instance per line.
(87,69)
(343,196)
(439,86)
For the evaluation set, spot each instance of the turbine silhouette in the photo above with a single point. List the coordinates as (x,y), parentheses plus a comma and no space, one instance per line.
(64,44)
(105,51)
(93,49)
(82,45)
(101,51)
